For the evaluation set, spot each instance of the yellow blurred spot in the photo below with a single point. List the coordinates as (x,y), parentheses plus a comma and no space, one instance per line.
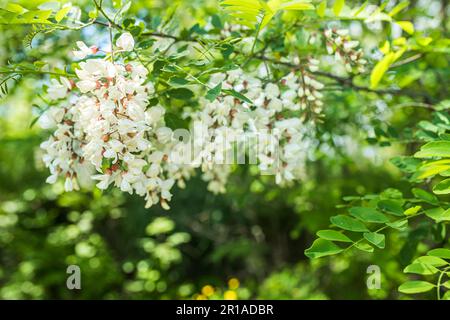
(208,290)
(233,283)
(201,297)
(230,295)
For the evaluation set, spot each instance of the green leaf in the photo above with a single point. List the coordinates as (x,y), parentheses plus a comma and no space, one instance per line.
(446,284)
(16,8)
(440,253)
(258,13)
(322,248)
(402,5)
(295,5)
(393,207)
(333,235)
(368,214)
(117,3)
(412,211)
(321,9)
(360,9)
(446,296)
(160,225)
(415,287)
(432,169)
(407,26)
(364,246)
(61,14)
(438,214)
(430,260)
(377,239)
(434,149)
(213,93)
(442,187)
(237,95)
(338,6)
(399,224)
(425,196)
(174,121)
(177,81)
(421,268)
(348,223)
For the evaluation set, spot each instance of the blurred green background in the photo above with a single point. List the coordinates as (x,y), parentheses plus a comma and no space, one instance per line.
(248,243)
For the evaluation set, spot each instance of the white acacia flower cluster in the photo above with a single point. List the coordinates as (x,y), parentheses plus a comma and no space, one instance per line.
(345,49)
(108,129)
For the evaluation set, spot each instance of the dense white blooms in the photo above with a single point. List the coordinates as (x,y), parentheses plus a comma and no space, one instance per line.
(125,42)
(106,132)
(269,132)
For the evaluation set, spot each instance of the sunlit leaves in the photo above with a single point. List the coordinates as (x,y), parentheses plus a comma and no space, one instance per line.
(377,239)
(412,211)
(15,7)
(237,95)
(399,7)
(180,93)
(160,225)
(432,261)
(14,13)
(442,187)
(368,214)
(425,196)
(421,268)
(213,93)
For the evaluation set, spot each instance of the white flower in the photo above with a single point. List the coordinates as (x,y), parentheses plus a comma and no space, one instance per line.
(125,42)
(164,134)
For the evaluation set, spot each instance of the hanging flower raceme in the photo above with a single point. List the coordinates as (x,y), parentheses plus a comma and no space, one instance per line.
(268,132)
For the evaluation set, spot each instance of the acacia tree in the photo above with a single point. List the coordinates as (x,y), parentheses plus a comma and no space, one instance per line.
(115,110)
